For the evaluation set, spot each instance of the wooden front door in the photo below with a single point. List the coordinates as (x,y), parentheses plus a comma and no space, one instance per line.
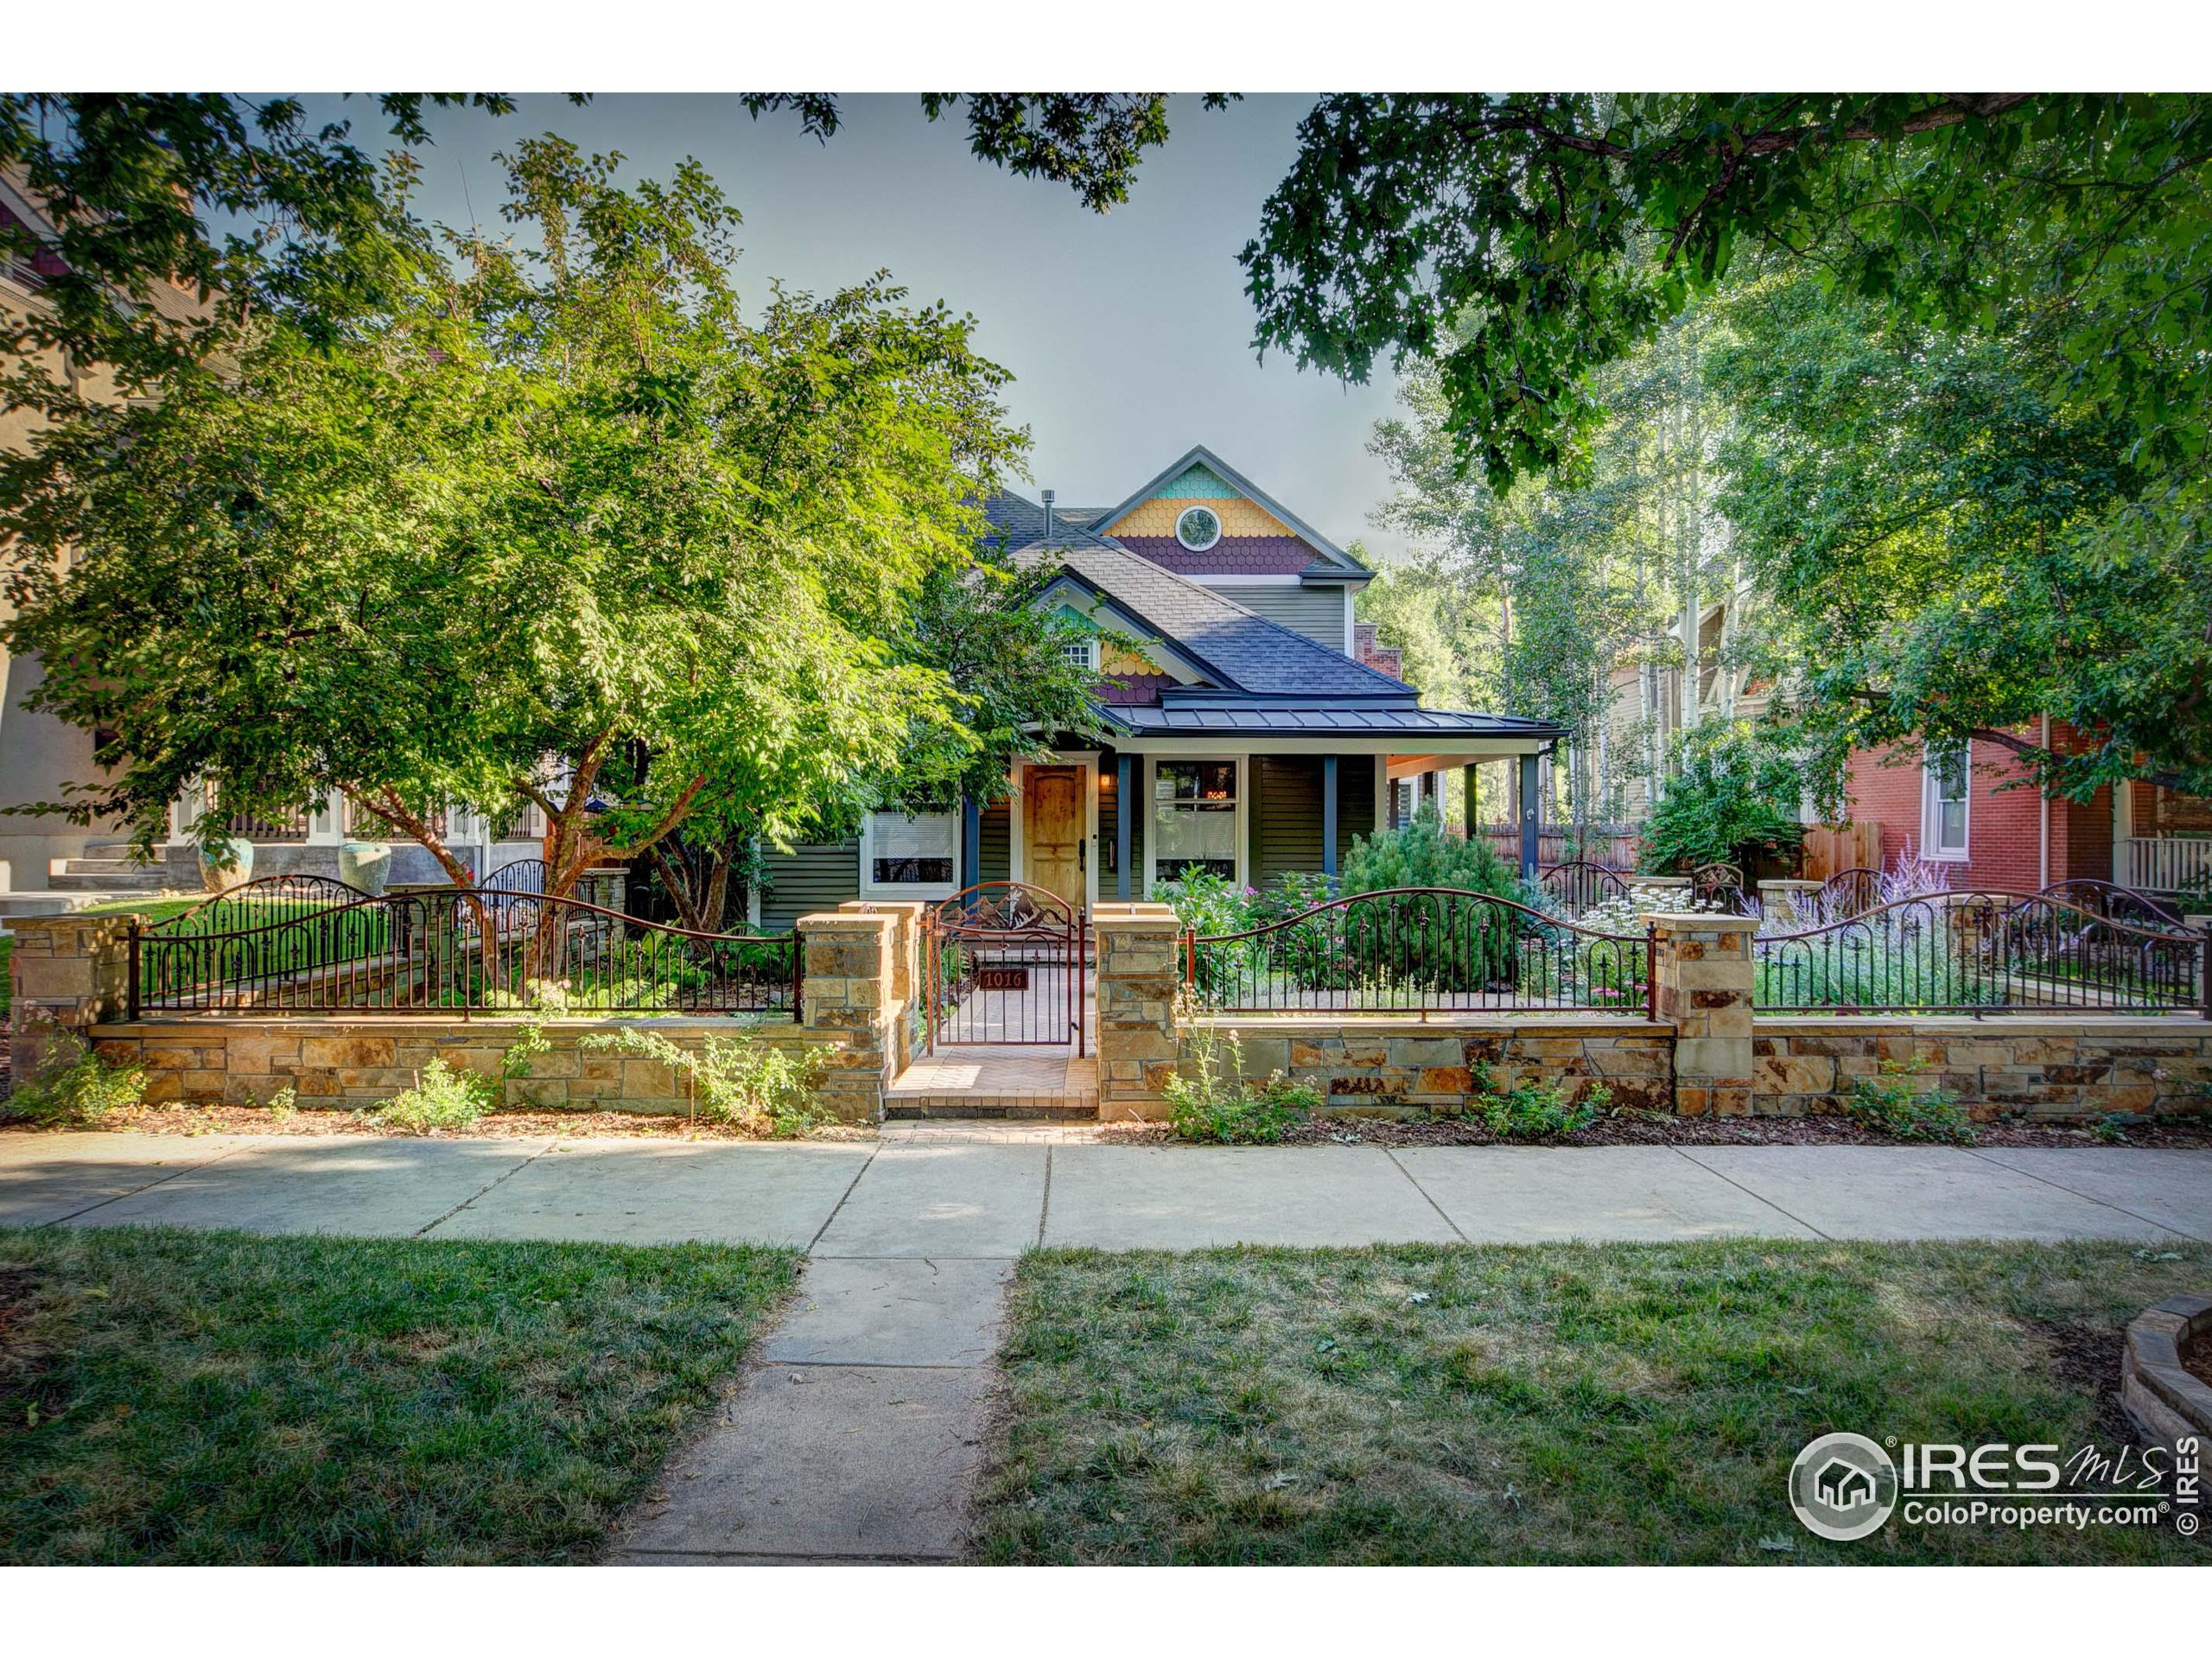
(1051,832)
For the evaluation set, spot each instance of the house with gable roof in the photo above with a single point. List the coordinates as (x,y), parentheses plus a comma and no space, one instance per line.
(1247,727)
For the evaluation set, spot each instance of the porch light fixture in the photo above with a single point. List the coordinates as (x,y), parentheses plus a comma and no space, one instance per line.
(1197,528)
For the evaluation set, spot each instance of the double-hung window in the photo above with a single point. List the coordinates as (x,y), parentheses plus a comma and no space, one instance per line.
(1943,794)
(1194,818)
(904,857)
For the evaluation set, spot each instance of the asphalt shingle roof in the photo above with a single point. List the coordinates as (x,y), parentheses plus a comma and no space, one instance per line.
(1249,653)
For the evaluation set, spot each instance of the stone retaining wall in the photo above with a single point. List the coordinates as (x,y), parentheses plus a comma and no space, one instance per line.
(348,1064)
(2043,1067)
(1404,1067)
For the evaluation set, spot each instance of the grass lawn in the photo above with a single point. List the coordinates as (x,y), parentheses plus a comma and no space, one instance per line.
(216,1397)
(1557,1403)
(154,910)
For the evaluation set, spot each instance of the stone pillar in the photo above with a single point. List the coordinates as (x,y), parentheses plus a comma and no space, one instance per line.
(1784,902)
(1139,970)
(847,996)
(1702,965)
(902,997)
(67,974)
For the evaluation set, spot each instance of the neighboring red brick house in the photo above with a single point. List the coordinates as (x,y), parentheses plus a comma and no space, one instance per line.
(1992,835)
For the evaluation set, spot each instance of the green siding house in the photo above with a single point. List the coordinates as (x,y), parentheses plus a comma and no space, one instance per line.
(1240,731)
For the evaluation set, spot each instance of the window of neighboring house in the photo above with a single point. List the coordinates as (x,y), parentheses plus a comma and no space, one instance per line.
(1194,818)
(915,857)
(1083,652)
(1943,814)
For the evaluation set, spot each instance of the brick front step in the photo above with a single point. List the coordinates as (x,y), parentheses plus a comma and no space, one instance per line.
(1042,1109)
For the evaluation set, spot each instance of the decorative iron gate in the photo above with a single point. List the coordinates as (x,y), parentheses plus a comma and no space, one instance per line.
(1004,964)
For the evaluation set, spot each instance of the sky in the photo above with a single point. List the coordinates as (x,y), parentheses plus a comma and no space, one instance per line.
(1128,334)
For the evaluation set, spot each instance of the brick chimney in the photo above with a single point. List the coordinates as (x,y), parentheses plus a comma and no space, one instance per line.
(1383,659)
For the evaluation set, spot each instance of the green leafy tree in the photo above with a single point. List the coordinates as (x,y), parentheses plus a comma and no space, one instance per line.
(1089,141)
(558,525)
(1547,593)
(1522,242)
(1734,793)
(244,204)
(1955,543)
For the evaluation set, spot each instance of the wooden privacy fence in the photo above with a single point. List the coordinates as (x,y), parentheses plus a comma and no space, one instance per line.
(1832,848)
(1611,845)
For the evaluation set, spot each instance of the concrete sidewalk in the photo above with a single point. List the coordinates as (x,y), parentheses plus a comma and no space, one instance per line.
(938,1199)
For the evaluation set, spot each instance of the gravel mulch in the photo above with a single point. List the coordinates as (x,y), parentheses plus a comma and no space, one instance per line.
(502,1126)
(1627,1131)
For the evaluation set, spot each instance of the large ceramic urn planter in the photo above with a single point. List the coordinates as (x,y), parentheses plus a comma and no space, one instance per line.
(364,864)
(225,864)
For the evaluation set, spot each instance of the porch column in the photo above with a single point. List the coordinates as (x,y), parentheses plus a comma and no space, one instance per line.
(1122,811)
(972,839)
(1531,806)
(1329,818)
(1474,797)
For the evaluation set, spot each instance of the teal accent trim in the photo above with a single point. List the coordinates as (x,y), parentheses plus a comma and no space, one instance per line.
(1198,482)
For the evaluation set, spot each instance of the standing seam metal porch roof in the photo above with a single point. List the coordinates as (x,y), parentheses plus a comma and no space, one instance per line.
(1240,716)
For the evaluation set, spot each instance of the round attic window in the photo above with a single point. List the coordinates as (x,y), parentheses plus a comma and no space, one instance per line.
(1197,528)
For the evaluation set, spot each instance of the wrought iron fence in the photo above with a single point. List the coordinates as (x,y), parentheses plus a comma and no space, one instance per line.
(1850,892)
(1407,948)
(1980,952)
(1720,884)
(1581,884)
(2116,903)
(1004,964)
(293,945)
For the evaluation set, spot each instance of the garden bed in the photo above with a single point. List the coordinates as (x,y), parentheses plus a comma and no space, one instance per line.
(2185,1133)
(1822,1131)
(176,1118)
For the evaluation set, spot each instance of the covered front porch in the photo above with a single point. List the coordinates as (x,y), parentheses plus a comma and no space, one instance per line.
(2162,839)
(1114,823)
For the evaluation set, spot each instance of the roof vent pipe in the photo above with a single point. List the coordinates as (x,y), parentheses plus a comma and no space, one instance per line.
(1051,523)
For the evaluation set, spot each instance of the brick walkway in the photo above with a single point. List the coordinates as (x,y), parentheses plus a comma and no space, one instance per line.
(998,1080)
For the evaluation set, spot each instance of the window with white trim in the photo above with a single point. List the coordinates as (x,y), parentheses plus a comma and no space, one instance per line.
(904,857)
(1197,528)
(1083,654)
(1194,818)
(1944,781)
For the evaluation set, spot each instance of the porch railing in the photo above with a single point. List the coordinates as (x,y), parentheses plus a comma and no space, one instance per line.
(1420,949)
(274,949)
(1983,952)
(2163,863)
